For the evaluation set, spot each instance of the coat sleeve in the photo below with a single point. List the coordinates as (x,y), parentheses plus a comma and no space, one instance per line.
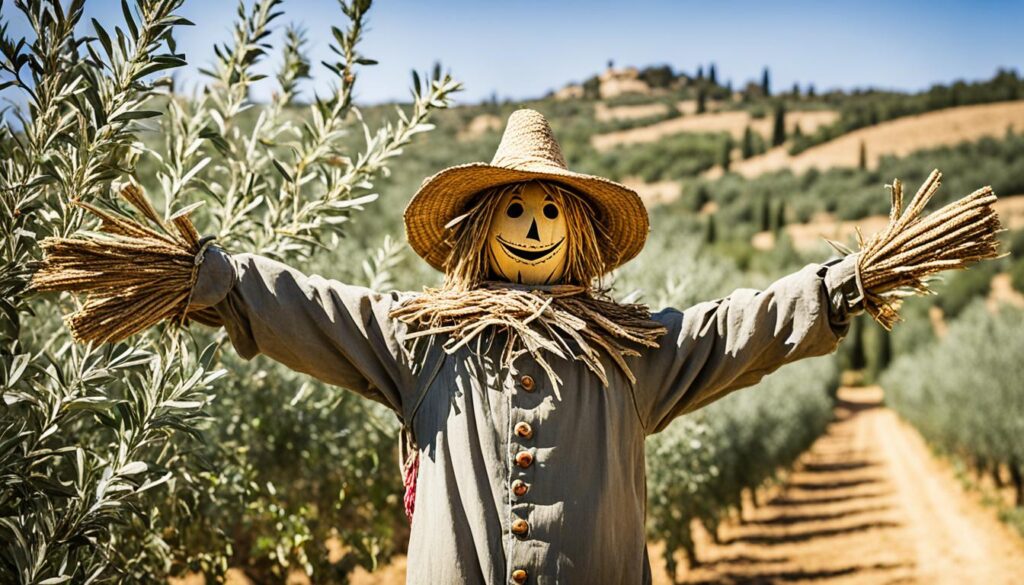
(716,347)
(337,333)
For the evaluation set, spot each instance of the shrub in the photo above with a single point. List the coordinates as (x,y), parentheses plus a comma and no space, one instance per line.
(132,462)
(963,392)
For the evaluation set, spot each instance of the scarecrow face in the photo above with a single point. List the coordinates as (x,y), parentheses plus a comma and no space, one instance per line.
(527,239)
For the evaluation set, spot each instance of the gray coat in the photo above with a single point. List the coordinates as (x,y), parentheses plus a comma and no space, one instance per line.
(520,481)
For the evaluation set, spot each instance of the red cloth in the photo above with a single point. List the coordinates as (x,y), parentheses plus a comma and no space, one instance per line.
(409,472)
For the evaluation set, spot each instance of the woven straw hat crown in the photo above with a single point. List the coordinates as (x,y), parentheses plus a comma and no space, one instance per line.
(528,142)
(528,152)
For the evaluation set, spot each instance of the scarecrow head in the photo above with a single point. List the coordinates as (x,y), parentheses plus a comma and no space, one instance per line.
(526,242)
(524,218)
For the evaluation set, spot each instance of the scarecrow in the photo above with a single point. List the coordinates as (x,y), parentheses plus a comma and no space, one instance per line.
(524,391)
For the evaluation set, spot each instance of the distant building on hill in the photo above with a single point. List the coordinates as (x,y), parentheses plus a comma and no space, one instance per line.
(611,83)
(616,82)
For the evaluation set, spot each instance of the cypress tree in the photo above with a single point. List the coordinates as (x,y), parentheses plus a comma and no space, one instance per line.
(766,212)
(810,91)
(700,72)
(862,159)
(726,153)
(747,148)
(766,87)
(701,100)
(779,128)
(701,197)
(780,217)
(854,357)
(796,89)
(710,231)
(712,75)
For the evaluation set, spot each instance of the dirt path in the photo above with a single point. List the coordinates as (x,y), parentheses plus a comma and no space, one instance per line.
(868,505)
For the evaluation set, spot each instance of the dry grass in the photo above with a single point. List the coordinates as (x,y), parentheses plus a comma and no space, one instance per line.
(897,137)
(480,125)
(605,113)
(811,235)
(734,122)
(654,193)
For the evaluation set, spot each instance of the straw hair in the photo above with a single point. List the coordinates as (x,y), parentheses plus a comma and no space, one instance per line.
(899,260)
(135,275)
(528,151)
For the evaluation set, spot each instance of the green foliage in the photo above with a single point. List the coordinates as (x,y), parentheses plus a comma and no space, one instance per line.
(726,153)
(962,287)
(1017,274)
(963,392)
(852,193)
(700,466)
(658,76)
(866,108)
(779,124)
(673,157)
(132,462)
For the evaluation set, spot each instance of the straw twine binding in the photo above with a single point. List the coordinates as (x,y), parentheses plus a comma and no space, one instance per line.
(135,276)
(898,261)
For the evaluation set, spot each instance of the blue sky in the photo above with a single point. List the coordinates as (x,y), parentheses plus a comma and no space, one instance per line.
(523,49)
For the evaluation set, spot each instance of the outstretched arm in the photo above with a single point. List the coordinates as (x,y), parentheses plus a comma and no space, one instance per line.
(716,347)
(140,273)
(337,333)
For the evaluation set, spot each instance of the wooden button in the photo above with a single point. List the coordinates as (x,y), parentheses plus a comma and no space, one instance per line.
(528,383)
(520,487)
(524,430)
(519,576)
(520,527)
(524,459)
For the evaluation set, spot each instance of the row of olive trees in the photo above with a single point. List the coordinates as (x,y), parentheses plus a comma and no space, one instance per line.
(135,461)
(700,467)
(963,393)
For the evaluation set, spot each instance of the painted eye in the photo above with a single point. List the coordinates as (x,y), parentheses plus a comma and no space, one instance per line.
(514,210)
(550,211)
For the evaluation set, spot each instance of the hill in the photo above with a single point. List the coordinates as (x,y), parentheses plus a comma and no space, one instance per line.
(898,137)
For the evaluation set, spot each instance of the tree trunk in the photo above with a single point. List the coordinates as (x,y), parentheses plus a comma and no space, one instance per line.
(1018,483)
(997,476)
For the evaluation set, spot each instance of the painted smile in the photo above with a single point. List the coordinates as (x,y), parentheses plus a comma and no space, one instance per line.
(530,254)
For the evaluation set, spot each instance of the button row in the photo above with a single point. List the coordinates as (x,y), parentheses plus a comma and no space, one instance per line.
(523,459)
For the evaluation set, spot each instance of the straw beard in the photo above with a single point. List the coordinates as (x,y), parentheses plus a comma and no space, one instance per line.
(573,320)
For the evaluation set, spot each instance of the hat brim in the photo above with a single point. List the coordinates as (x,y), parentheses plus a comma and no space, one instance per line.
(445,195)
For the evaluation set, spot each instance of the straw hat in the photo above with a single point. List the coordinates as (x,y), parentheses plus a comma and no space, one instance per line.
(528,151)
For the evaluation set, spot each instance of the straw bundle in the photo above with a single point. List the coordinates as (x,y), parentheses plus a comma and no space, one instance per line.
(567,321)
(135,276)
(898,261)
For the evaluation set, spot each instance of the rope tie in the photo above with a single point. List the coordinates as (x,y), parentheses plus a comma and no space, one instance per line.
(204,243)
